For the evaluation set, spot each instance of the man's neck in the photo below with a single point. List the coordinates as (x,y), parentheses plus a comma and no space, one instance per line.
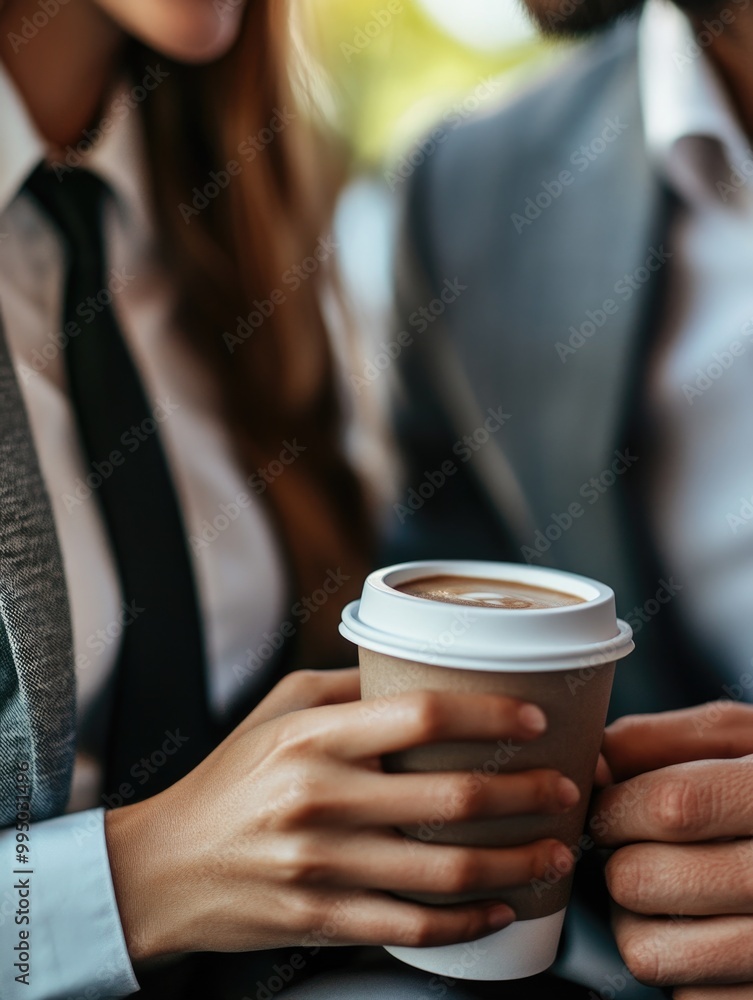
(62,67)
(732,53)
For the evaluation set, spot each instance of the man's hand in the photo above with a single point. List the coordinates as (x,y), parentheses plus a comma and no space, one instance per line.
(683,885)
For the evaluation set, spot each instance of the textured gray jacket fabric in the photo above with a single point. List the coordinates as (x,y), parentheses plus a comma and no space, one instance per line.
(37,687)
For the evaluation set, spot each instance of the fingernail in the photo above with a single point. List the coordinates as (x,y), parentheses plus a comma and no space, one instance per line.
(500,916)
(532,718)
(567,793)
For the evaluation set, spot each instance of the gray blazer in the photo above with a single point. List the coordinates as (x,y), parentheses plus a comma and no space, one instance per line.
(557,245)
(37,690)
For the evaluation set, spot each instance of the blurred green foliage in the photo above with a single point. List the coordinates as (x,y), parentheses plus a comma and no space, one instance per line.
(391,71)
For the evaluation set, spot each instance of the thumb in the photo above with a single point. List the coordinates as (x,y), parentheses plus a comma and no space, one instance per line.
(303,689)
(639,743)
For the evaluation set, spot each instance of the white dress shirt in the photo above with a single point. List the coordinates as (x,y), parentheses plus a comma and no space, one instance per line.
(77,937)
(701,381)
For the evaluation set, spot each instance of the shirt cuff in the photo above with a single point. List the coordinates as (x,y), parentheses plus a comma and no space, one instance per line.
(75,940)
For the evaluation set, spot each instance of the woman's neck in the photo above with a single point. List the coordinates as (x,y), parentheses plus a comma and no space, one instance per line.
(62,63)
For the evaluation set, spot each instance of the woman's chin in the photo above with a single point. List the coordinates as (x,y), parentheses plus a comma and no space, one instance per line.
(202,43)
(192,31)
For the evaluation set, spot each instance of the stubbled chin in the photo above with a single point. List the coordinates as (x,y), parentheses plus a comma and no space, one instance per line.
(581,18)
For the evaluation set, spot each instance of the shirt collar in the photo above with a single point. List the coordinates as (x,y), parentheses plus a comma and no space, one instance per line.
(114,151)
(692,132)
(21,145)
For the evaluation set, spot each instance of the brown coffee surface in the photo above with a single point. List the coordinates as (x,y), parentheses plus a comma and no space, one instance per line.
(484,593)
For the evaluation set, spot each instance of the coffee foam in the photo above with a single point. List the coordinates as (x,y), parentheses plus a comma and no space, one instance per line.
(481,592)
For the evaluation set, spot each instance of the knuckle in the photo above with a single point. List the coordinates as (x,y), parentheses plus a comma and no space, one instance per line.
(293,683)
(305,688)
(288,731)
(460,873)
(294,739)
(302,913)
(425,714)
(299,862)
(303,803)
(465,800)
(314,686)
(676,806)
(419,930)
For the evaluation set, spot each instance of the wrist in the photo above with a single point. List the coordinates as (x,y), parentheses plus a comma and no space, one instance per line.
(142,867)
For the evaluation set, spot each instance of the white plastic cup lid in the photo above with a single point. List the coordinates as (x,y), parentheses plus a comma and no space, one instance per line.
(389,621)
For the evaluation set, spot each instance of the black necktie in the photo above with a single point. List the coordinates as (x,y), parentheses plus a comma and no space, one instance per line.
(160,726)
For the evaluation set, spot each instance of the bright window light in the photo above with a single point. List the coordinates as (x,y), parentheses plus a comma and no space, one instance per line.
(482,24)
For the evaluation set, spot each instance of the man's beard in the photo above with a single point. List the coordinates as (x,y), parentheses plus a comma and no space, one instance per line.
(576,18)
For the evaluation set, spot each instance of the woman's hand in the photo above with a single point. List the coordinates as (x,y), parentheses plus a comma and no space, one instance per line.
(285,835)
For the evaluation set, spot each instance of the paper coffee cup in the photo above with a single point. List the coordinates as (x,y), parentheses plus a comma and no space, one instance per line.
(560,658)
